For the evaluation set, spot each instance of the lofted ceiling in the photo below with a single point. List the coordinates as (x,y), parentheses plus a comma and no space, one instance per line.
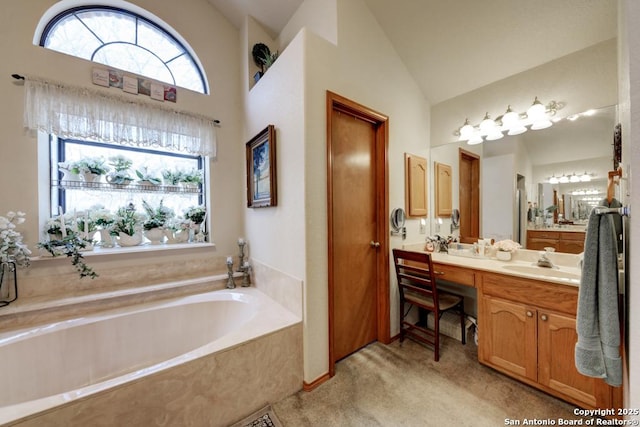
(454,46)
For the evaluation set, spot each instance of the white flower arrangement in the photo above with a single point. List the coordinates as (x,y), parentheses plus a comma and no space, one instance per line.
(11,247)
(102,217)
(507,245)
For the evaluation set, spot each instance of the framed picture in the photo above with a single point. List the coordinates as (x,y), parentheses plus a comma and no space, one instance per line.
(261,169)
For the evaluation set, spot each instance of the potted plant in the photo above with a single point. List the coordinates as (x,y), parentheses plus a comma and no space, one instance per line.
(171,178)
(12,250)
(120,175)
(128,225)
(104,220)
(146,178)
(156,219)
(70,171)
(196,214)
(191,179)
(504,249)
(92,168)
(263,58)
(71,246)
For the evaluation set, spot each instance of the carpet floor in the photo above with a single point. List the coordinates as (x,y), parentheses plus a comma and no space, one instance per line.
(401,385)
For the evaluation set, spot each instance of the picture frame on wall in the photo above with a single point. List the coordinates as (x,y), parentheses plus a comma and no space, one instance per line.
(261,169)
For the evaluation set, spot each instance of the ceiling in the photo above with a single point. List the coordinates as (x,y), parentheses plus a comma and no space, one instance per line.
(454,46)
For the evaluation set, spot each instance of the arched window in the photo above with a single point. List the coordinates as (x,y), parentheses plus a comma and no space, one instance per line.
(124,40)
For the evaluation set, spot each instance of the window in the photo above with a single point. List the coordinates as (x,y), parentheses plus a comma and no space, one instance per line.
(124,40)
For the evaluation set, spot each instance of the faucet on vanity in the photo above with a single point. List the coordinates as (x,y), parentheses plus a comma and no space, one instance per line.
(544,260)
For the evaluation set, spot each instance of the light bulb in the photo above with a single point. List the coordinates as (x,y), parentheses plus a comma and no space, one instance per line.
(586,177)
(475,139)
(553,180)
(495,134)
(537,111)
(574,178)
(466,131)
(541,124)
(487,124)
(563,179)
(510,118)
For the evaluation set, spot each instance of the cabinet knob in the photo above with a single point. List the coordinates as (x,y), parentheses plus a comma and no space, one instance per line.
(529,314)
(544,317)
(374,244)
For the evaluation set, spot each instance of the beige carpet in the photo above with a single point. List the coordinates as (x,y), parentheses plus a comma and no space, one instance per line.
(401,385)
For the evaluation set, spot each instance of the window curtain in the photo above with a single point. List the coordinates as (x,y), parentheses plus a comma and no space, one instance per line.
(83,113)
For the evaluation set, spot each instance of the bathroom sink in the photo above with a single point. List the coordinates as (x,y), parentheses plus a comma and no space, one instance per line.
(553,273)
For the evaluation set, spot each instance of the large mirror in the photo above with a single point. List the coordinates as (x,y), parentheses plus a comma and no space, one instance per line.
(519,172)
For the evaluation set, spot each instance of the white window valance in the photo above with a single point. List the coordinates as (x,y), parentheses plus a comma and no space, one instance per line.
(84,113)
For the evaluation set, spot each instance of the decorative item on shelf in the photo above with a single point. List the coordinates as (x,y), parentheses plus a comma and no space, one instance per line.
(128,226)
(104,221)
(147,179)
(505,249)
(197,215)
(171,178)
(92,169)
(263,58)
(70,171)
(119,177)
(191,180)
(13,253)
(241,245)
(246,274)
(156,219)
(231,284)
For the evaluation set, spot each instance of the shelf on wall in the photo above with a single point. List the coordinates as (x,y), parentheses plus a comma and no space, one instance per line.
(128,188)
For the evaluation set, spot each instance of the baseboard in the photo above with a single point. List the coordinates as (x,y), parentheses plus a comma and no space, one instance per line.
(310,386)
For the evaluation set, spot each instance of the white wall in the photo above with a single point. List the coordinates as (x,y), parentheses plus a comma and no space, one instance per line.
(364,67)
(216,43)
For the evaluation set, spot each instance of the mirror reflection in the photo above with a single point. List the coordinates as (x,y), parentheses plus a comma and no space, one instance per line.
(549,178)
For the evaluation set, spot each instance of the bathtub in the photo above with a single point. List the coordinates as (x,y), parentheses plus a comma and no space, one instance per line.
(89,364)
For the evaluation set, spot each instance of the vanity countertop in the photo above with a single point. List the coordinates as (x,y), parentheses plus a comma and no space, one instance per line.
(522,264)
(561,228)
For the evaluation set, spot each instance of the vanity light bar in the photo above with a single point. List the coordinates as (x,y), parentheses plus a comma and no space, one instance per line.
(510,122)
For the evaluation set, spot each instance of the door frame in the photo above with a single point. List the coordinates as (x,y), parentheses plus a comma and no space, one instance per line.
(381,122)
(474,197)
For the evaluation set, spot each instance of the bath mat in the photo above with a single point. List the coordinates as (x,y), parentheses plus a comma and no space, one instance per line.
(265,417)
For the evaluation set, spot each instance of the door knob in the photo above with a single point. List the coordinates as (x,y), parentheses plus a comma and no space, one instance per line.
(374,244)
(529,314)
(544,317)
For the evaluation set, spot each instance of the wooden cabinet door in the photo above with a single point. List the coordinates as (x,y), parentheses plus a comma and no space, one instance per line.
(571,246)
(507,337)
(556,364)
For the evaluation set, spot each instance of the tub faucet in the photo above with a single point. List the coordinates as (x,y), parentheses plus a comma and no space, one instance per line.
(544,261)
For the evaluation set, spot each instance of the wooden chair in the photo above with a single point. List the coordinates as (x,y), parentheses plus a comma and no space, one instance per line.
(417,286)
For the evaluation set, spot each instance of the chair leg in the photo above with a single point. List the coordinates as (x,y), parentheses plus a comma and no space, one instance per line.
(462,327)
(436,330)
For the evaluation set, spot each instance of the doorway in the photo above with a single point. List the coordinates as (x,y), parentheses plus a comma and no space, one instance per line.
(358,258)
(469,196)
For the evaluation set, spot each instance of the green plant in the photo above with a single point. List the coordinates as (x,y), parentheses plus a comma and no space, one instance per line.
(71,245)
(259,52)
(194,176)
(93,165)
(171,177)
(144,175)
(127,221)
(120,163)
(196,214)
(156,217)
(72,167)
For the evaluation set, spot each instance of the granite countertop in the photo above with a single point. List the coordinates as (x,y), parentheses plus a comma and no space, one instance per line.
(562,228)
(522,264)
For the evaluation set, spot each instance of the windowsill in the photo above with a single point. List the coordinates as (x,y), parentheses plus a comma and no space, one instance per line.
(146,248)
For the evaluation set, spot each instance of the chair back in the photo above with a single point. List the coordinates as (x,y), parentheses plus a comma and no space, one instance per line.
(414,271)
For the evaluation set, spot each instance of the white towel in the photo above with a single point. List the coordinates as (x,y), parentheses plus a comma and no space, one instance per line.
(597,352)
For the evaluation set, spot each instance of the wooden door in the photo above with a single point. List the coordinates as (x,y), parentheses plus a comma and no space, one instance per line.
(469,195)
(507,337)
(358,227)
(556,361)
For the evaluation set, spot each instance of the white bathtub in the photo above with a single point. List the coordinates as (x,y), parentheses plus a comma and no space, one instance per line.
(50,365)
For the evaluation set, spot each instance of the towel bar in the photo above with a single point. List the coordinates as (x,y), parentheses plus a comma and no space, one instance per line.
(624,211)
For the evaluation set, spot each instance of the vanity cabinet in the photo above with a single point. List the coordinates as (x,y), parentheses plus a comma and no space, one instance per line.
(527,329)
(562,241)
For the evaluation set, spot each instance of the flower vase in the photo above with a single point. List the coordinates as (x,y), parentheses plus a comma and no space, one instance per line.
(155,235)
(193,233)
(91,177)
(170,236)
(68,176)
(503,255)
(127,240)
(8,283)
(182,236)
(106,239)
